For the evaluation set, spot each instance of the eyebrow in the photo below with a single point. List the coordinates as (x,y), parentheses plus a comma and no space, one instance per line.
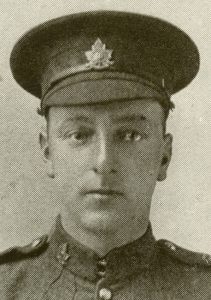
(64,125)
(85,119)
(79,118)
(130,118)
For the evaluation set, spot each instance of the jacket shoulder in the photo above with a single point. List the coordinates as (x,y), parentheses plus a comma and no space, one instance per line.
(14,254)
(183,255)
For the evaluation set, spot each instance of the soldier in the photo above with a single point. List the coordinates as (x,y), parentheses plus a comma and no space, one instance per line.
(105,81)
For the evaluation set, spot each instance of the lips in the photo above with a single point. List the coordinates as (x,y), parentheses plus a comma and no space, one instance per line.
(104,192)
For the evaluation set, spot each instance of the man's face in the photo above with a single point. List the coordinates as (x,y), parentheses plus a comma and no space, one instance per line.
(106,160)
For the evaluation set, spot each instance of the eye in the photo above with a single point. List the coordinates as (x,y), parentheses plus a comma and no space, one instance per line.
(78,137)
(131,136)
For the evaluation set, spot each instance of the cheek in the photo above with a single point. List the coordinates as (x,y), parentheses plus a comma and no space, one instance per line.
(141,169)
(150,160)
(70,163)
(145,159)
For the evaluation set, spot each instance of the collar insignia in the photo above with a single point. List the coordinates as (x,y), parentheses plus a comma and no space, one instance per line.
(99,57)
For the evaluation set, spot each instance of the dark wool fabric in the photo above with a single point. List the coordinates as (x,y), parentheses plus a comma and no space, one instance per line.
(58,267)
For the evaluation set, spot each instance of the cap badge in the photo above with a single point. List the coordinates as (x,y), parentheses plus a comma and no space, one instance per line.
(99,57)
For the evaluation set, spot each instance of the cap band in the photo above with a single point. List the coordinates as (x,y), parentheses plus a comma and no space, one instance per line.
(101,87)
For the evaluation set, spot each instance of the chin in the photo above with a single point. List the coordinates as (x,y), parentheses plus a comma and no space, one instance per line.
(100,222)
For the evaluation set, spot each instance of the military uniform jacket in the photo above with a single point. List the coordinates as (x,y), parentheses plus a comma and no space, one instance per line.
(58,267)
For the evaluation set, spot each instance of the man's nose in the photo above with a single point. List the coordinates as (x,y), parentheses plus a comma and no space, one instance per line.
(105,156)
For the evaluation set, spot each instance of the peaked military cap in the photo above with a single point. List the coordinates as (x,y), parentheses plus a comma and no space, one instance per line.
(103,56)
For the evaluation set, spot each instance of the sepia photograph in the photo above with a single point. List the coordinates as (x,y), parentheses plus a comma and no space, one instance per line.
(105,150)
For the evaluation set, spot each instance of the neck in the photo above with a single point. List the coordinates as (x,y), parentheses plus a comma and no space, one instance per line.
(102,242)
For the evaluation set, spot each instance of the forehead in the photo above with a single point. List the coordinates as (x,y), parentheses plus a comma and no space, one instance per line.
(150,109)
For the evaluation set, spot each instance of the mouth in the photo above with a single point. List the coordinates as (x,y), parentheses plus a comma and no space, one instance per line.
(104,192)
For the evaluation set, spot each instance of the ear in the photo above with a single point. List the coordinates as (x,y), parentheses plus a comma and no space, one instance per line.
(166,157)
(43,139)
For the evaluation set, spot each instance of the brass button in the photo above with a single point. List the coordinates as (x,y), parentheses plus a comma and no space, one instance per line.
(206,258)
(36,243)
(171,246)
(105,294)
(102,263)
(101,273)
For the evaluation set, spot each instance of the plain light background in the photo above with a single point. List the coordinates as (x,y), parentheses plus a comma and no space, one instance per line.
(181,208)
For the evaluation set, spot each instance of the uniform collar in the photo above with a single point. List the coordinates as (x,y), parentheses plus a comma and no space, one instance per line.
(118,264)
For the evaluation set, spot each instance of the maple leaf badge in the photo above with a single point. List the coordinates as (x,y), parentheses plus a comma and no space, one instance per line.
(99,57)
